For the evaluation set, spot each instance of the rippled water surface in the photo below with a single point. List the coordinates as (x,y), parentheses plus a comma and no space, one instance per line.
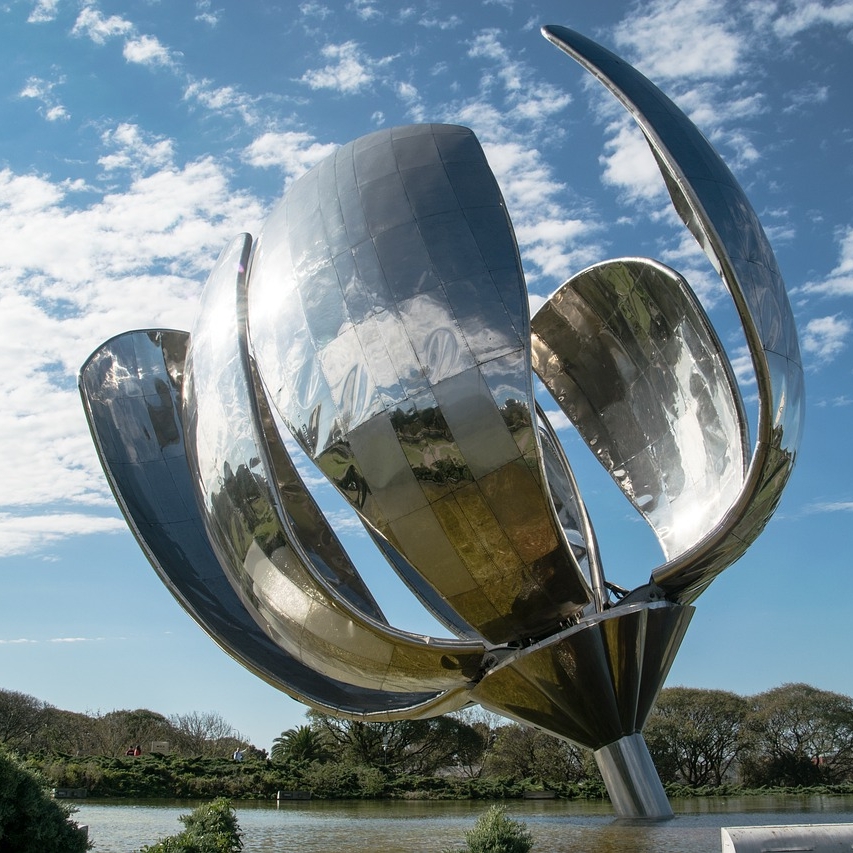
(427,827)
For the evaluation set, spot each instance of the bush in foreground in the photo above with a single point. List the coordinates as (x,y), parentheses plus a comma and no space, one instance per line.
(30,821)
(211,828)
(494,832)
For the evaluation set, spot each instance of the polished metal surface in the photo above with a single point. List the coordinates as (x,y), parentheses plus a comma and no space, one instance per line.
(715,209)
(629,776)
(381,317)
(265,550)
(388,317)
(630,357)
(594,682)
(131,389)
(813,837)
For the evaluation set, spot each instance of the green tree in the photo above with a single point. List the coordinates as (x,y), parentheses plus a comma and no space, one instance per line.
(800,735)
(30,821)
(20,718)
(695,736)
(300,744)
(521,752)
(405,746)
(115,731)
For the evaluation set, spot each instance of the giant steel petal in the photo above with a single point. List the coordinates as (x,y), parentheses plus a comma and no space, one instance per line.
(384,294)
(630,357)
(263,548)
(131,390)
(718,214)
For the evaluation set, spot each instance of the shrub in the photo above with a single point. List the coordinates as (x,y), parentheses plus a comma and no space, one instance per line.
(211,828)
(343,780)
(30,821)
(494,832)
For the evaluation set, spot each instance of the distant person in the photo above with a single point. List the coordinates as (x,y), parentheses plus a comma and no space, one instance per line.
(137,750)
(238,755)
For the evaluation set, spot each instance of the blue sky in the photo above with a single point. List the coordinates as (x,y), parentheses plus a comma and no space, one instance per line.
(138,138)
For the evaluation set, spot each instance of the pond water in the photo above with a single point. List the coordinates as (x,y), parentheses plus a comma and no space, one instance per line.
(426,827)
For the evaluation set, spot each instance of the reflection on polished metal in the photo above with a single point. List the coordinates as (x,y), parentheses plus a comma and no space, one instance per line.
(381,320)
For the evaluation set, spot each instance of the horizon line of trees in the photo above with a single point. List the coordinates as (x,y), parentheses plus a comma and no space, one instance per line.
(792,735)
(29,725)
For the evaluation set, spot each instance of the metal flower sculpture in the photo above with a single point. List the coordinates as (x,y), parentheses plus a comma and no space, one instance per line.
(382,318)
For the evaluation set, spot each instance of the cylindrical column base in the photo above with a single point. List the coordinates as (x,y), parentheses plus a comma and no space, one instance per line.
(633,783)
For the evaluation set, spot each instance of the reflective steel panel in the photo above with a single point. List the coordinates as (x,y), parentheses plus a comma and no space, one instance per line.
(267,552)
(719,215)
(630,357)
(593,683)
(382,317)
(131,390)
(377,349)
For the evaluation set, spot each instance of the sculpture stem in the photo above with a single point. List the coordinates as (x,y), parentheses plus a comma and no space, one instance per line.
(631,779)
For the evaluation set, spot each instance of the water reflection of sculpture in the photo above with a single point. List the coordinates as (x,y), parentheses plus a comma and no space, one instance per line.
(381,316)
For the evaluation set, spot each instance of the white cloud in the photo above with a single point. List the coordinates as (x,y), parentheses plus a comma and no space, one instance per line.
(365,9)
(558,420)
(345,523)
(205,13)
(350,70)
(808,96)
(448,23)
(225,100)
(92,24)
(800,15)
(415,107)
(34,533)
(293,152)
(315,10)
(629,164)
(138,49)
(41,91)
(839,282)
(825,337)
(135,150)
(43,11)
(674,39)
(743,368)
(147,50)
(822,507)
(77,639)
(552,241)
(131,256)
(528,99)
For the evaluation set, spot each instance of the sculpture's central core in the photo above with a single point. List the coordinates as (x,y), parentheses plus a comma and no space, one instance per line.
(381,317)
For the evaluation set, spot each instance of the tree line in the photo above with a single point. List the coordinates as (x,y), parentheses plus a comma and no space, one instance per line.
(29,725)
(790,736)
